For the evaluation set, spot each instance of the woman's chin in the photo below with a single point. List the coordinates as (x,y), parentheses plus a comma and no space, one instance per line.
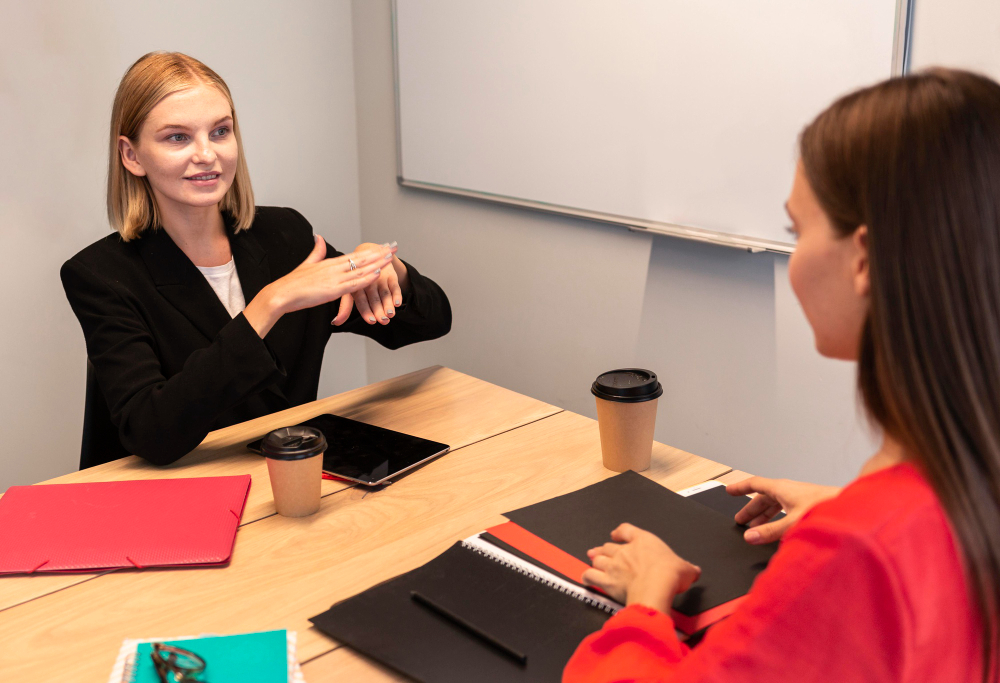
(203,199)
(835,351)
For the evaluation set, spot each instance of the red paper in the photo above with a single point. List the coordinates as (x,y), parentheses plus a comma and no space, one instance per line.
(115,524)
(563,563)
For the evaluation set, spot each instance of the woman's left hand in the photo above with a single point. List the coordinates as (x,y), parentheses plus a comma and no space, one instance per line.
(378,301)
(639,568)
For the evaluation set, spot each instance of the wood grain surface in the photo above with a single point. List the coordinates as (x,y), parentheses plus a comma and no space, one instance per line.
(435,403)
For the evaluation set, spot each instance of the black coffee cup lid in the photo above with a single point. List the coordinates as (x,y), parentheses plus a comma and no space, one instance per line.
(293,443)
(627,385)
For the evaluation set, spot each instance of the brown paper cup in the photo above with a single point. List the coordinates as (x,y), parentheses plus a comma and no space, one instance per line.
(626,433)
(296,485)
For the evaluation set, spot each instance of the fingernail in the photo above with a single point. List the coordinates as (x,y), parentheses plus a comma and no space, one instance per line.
(392,245)
(398,301)
(384,318)
(388,257)
(752,536)
(385,244)
(389,312)
(371,319)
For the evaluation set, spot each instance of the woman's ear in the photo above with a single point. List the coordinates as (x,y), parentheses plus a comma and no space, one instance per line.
(129,159)
(859,261)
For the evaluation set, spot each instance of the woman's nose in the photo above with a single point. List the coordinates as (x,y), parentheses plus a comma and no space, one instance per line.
(204,154)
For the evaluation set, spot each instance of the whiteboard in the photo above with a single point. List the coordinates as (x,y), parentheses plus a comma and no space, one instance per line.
(964,34)
(669,115)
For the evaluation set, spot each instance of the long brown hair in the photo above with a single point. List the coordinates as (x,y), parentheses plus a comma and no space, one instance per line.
(917,161)
(131,204)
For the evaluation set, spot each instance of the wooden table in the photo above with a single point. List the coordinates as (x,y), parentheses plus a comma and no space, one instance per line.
(508,451)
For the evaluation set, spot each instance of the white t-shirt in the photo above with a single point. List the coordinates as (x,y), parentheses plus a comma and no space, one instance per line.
(226,284)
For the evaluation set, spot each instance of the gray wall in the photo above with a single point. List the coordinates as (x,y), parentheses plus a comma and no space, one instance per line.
(543,304)
(289,66)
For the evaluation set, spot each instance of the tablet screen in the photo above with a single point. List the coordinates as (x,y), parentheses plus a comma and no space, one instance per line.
(367,453)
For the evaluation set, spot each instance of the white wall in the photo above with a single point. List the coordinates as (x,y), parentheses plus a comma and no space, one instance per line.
(289,66)
(543,304)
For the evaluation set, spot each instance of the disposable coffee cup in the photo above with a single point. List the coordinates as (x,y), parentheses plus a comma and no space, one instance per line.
(626,416)
(295,463)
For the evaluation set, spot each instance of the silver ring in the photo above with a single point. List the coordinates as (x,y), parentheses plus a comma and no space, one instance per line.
(354,266)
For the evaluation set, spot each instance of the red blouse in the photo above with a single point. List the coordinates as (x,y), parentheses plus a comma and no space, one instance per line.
(868,586)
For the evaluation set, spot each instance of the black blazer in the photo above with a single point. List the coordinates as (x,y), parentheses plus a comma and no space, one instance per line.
(171,363)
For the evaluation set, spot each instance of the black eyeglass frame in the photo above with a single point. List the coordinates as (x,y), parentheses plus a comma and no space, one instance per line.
(169,666)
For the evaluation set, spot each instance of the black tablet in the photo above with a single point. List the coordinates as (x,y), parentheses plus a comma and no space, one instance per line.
(365,453)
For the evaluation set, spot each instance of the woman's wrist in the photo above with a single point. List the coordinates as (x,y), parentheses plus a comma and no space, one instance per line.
(265,310)
(654,592)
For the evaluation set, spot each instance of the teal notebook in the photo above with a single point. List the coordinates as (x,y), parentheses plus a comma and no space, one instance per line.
(246,658)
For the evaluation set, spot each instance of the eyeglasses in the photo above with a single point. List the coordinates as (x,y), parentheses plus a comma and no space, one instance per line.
(175,665)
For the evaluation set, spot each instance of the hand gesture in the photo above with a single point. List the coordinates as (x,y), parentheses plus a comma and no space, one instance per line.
(639,568)
(773,496)
(317,280)
(378,301)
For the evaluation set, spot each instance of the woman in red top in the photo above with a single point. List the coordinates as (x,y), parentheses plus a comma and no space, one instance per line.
(896,209)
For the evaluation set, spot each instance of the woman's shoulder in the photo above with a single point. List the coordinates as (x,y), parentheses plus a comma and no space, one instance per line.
(106,255)
(280,222)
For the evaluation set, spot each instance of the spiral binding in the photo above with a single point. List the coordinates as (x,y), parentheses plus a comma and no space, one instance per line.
(475,544)
(129,674)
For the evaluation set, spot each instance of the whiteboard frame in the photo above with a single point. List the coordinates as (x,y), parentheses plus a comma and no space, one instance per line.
(901,50)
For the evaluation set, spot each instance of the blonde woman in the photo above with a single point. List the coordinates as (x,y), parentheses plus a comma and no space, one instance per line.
(202,310)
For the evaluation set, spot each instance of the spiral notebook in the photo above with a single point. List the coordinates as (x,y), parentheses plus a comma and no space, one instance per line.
(263,657)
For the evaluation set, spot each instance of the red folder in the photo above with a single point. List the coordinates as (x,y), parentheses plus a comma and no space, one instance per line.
(116,524)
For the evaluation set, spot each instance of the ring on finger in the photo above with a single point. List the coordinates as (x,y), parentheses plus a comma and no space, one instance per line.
(354,266)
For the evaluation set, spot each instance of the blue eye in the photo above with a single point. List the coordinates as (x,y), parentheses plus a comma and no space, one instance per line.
(221,131)
(176,137)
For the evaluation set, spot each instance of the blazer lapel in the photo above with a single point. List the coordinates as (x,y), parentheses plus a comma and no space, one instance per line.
(251,263)
(182,284)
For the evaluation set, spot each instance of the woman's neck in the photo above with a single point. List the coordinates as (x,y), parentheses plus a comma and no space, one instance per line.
(199,231)
(891,453)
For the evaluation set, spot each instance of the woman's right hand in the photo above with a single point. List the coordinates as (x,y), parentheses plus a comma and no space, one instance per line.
(773,496)
(317,280)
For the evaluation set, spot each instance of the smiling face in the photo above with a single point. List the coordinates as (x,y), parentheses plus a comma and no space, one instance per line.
(186,149)
(828,273)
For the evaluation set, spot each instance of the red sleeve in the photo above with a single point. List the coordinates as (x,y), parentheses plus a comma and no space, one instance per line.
(828,608)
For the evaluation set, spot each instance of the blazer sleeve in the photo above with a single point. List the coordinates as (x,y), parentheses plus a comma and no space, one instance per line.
(828,608)
(162,419)
(424,315)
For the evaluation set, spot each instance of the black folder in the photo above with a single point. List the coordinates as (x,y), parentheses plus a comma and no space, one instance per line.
(712,540)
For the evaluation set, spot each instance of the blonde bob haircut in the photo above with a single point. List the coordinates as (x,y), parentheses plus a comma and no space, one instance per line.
(131,205)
